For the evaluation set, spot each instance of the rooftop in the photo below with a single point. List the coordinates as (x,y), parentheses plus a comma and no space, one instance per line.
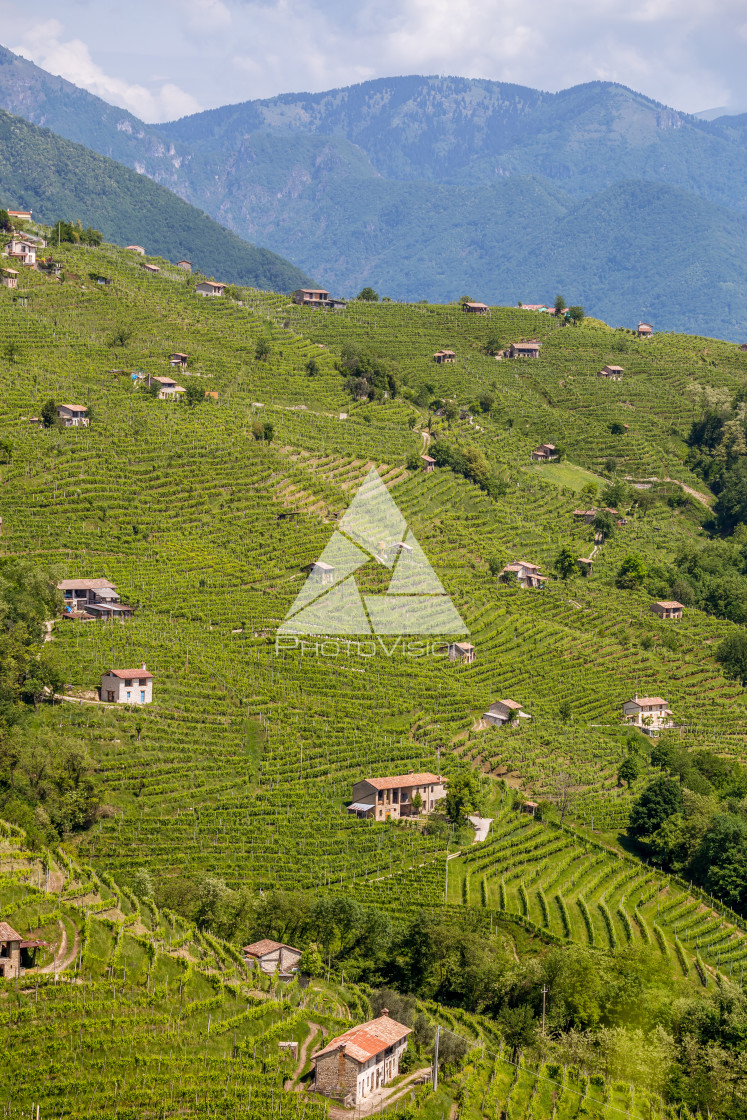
(7,933)
(670,604)
(368,1039)
(84,584)
(399,780)
(262,948)
(128,674)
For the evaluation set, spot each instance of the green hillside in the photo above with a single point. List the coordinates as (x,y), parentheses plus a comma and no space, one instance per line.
(57,179)
(225,800)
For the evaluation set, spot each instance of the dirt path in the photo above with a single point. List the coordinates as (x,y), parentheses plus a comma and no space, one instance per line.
(482,828)
(292,1082)
(373,1104)
(426,442)
(62,957)
(705,499)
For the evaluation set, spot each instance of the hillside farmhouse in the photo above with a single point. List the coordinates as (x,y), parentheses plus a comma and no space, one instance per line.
(127,686)
(179,360)
(475,308)
(461,651)
(585,515)
(186,266)
(648,713)
(667,608)
(322,572)
(645,330)
(137,249)
(529,349)
(585,565)
(72,415)
(23,251)
(391,798)
(361,1061)
(444,357)
(9,278)
(169,390)
(20,215)
(14,952)
(273,958)
(209,288)
(428,463)
(310,297)
(545,453)
(501,712)
(526,575)
(92,598)
(150,267)
(612,373)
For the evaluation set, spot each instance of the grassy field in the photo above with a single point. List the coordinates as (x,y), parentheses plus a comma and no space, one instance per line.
(567,475)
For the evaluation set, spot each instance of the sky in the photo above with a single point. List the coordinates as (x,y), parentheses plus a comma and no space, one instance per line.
(163,59)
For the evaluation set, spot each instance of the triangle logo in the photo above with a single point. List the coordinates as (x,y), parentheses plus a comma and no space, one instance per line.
(415,601)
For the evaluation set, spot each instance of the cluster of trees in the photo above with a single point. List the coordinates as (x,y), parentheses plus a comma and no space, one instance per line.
(471,463)
(73,233)
(367,376)
(693,817)
(718,453)
(46,782)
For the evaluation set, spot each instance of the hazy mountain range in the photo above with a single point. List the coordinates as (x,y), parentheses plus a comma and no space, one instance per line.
(435,187)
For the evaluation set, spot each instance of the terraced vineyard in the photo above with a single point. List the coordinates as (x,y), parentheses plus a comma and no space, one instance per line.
(243,765)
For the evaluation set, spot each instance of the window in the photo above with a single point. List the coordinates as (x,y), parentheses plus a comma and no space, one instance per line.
(395,796)
(128,684)
(142,696)
(381,795)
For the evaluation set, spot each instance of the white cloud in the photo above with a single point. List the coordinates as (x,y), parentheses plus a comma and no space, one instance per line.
(219,51)
(43,44)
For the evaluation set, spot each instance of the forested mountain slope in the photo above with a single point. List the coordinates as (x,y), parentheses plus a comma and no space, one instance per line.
(225,800)
(57,179)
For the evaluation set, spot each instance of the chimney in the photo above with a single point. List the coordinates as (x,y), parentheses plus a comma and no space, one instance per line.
(142,666)
(410,771)
(385,1012)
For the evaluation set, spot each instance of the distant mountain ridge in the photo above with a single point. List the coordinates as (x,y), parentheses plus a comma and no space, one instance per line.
(428,187)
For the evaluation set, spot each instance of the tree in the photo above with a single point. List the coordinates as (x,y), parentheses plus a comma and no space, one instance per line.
(731,505)
(604,523)
(661,799)
(262,350)
(518,1027)
(417,802)
(49,414)
(565,563)
(312,367)
(732,656)
(142,883)
(495,565)
(628,770)
(369,295)
(486,401)
(5,223)
(462,796)
(311,960)
(268,431)
(559,304)
(565,711)
(576,315)
(631,573)
(11,350)
(194,394)
(6,449)
(590,490)
(617,429)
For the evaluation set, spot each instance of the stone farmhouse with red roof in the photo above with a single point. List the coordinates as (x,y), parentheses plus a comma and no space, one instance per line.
(127,686)
(667,608)
(391,798)
(648,713)
(358,1063)
(273,958)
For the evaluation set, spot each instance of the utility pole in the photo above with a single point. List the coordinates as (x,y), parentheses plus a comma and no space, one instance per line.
(435,1061)
(544,994)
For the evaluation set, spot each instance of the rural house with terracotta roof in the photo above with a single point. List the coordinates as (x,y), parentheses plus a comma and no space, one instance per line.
(545,453)
(648,713)
(473,308)
(529,349)
(169,390)
(504,711)
(73,415)
(461,651)
(525,574)
(127,686)
(645,330)
(209,288)
(273,958)
(442,357)
(392,798)
(92,598)
(612,373)
(667,608)
(10,952)
(361,1061)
